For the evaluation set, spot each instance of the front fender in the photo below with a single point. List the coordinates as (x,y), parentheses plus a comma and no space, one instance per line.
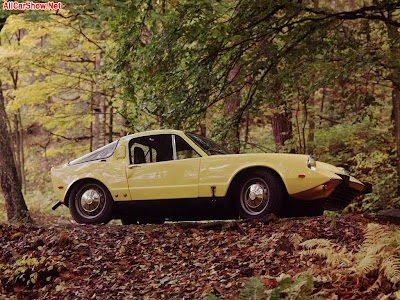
(220,171)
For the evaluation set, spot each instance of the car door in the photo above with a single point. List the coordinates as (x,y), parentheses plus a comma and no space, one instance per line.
(160,170)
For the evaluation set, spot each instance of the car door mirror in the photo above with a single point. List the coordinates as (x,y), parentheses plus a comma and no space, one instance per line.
(120,153)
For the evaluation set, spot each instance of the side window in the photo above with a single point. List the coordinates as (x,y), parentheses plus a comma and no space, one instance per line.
(141,153)
(151,149)
(183,149)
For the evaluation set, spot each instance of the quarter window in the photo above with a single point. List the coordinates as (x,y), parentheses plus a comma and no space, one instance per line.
(101,153)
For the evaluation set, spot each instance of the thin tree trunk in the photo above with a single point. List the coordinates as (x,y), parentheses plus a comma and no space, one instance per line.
(303,130)
(22,152)
(17,211)
(17,147)
(281,122)
(102,121)
(19,138)
(202,126)
(98,109)
(91,122)
(394,38)
(323,99)
(311,122)
(299,150)
(110,125)
(230,108)
(125,121)
(247,131)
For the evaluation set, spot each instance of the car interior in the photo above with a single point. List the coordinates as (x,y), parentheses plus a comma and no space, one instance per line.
(158,148)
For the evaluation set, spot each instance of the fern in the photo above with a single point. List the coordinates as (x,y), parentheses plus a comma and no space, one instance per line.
(379,253)
(211,297)
(253,289)
(333,253)
(296,289)
(373,233)
(286,288)
(295,239)
(367,263)
(391,268)
(317,243)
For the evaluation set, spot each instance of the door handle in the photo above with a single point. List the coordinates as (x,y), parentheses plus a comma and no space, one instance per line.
(134,166)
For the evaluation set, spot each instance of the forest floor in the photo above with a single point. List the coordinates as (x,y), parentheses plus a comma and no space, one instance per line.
(175,260)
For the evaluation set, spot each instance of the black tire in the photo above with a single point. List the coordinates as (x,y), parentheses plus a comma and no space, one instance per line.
(259,193)
(91,203)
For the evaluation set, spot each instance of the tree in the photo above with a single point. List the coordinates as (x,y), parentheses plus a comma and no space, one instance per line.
(173,55)
(82,16)
(17,211)
(305,68)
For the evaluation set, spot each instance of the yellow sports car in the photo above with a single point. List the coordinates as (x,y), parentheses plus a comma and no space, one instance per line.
(169,174)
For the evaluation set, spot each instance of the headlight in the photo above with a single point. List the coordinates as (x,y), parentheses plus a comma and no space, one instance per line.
(311,163)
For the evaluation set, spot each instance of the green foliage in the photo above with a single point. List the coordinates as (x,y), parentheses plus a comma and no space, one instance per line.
(30,270)
(194,56)
(287,288)
(254,289)
(365,148)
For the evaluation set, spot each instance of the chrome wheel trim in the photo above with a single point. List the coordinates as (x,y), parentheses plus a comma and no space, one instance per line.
(90,202)
(254,196)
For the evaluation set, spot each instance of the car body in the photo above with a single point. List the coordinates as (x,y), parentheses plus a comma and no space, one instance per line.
(169,174)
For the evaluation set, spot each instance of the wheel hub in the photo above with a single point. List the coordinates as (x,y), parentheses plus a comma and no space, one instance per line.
(90,200)
(255,195)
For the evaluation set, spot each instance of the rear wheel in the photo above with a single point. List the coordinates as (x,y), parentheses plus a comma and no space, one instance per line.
(91,203)
(258,194)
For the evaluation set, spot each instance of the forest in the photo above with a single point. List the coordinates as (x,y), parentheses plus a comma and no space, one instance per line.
(307,77)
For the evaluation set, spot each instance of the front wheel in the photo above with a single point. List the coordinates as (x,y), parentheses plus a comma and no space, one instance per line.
(91,203)
(259,194)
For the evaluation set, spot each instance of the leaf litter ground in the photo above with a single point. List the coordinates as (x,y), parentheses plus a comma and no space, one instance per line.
(176,260)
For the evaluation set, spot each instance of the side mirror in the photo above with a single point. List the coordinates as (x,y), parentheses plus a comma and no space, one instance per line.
(120,153)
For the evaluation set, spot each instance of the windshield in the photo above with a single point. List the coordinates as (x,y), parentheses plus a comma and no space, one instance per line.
(101,153)
(208,146)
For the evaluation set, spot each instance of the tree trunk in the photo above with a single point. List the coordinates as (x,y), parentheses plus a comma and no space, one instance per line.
(311,104)
(21,142)
(202,125)
(230,108)
(17,153)
(91,122)
(395,51)
(111,124)
(281,128)
(17,211)
(281,121)
(247,130)
(99,129)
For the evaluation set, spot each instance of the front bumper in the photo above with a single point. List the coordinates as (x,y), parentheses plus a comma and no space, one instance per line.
(344,193)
